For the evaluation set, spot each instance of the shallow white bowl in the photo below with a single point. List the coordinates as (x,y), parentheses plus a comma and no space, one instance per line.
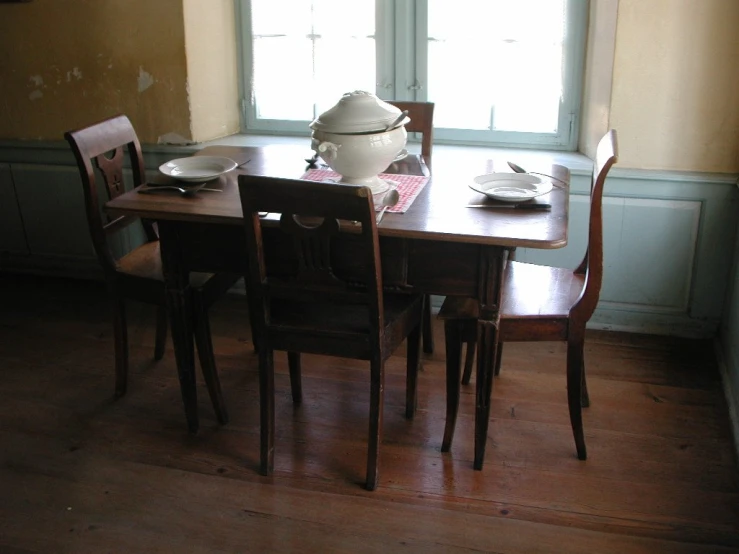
(511,187)
(197,169)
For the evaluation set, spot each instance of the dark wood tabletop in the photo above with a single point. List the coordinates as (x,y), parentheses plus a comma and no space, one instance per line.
(438,213)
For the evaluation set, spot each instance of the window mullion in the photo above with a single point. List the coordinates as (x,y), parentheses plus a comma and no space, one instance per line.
(385,48)
(420,58)
(245,59)
(405,70)
(574,62)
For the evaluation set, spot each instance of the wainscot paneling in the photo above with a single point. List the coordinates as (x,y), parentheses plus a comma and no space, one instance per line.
(669,236)
(668,240)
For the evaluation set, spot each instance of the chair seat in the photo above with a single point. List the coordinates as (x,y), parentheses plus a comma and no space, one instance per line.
(531,290)
(145,262)
(344,323)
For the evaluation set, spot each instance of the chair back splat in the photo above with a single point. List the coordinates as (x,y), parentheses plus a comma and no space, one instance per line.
(315,283)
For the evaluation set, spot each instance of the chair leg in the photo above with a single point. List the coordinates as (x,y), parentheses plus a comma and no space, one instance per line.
(204,343)
(266,411)
(498,358)
(428,330)
(377,385)
(296,385)
(254,315)
(487,343)
(413,360)
(161,336)
(120,338)
(574,393)
(585,397)
(453,344)
(469,361)
(468,336)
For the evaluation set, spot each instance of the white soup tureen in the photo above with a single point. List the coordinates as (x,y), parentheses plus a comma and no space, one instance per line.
(360,137)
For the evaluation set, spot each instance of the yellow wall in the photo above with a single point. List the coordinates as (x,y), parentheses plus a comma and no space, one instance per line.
(675,81)
(210,35)
(598,78)
(67,63)
(664,73)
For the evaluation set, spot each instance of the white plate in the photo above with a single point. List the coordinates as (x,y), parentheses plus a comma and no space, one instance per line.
(197,169)
(511,187)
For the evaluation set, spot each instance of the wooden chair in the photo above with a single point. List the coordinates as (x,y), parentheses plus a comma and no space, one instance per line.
(540,303)
(309,306)
(137,275)
(422,121)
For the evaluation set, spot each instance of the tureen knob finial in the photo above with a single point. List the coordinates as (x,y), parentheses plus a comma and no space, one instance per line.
(358,93)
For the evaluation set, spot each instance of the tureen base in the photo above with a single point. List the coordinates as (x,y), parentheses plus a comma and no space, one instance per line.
(376,185)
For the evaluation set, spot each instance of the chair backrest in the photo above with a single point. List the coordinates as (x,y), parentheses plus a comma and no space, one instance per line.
(313,216)
(592,264)
(422,121)
(104,143)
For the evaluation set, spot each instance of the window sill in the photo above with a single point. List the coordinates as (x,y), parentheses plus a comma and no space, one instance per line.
(529,158)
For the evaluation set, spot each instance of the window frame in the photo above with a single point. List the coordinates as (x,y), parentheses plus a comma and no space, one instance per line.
(402,67)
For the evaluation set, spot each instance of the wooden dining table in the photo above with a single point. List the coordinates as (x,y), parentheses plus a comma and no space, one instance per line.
(438,246)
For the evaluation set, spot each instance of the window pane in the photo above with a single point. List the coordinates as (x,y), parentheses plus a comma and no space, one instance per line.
(307,54)
(516,52)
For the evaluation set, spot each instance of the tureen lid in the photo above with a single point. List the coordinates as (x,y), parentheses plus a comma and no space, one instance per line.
(357,112)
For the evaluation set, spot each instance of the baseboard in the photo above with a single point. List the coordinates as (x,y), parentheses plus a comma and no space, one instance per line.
(731,400)
(652,323)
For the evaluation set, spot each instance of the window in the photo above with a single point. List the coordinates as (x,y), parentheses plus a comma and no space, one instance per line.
(501,72)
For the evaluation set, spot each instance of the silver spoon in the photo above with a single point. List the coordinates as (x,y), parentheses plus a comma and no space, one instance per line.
(190,191)
(518,169)
(397,121)
(391,198)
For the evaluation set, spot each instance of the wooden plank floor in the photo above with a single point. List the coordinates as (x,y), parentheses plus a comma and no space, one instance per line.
(80,472)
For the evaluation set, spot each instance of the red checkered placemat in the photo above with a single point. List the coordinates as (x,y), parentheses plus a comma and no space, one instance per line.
(408,186)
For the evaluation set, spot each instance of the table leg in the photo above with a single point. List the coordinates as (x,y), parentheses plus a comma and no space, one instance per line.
(487,344)
(179,306)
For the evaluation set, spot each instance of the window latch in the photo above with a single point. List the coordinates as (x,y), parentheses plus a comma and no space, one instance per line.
(415,86)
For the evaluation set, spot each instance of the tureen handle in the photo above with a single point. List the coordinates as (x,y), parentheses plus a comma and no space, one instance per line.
(331,149)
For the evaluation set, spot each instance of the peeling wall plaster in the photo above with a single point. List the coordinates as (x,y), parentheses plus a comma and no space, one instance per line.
(145,80)
(74,72)
(86,60)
